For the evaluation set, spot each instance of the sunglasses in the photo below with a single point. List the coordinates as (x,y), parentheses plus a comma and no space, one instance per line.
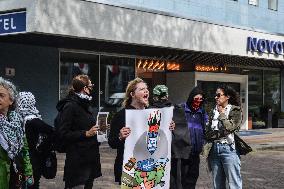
(199,99)
(218,95)
(90,86)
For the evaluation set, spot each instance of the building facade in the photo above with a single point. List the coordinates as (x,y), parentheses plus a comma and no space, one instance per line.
(180,43)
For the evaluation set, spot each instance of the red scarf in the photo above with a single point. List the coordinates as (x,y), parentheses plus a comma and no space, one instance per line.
(196,104)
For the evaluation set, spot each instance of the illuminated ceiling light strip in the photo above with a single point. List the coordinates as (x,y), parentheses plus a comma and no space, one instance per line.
(210,68)
(140,62)
(157,64)
(176,67)
(145,64)
(172,66)
(152,62)
(169,66)
(160,67)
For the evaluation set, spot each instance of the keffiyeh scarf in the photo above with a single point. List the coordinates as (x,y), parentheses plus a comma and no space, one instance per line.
(83,96)
(11,133)
(26,106)
(229,139)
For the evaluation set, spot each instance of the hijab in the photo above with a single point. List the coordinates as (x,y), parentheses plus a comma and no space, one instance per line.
(26,106)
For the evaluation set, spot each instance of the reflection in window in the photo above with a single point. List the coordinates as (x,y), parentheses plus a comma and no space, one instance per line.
(68,70)
(272,90)
(72,65)
(115,73)
(263,94)
(255,90)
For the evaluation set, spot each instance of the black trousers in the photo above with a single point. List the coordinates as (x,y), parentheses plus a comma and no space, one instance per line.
(184,172)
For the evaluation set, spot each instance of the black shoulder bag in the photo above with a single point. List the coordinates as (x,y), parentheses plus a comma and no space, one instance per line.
(241,146)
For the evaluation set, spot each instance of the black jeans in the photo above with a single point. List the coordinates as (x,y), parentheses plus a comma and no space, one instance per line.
(184,172)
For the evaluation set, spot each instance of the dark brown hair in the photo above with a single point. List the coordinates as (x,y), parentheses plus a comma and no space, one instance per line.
(229,91)
(79,82)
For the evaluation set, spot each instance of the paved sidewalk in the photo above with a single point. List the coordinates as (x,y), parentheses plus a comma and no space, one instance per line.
(264,139)
(260,169)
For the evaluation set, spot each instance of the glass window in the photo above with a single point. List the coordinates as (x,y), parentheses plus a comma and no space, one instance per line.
(73,64)
(115,73)
(109,74)
(263,94)
(255,94)
(273,4)
(253,2)
(272,90)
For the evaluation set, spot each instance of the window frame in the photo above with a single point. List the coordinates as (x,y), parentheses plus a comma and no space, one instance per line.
(256,4)
(270,8)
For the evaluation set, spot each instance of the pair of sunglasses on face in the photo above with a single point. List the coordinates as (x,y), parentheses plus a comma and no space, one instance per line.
(90,86)
(218,95)
(198,99)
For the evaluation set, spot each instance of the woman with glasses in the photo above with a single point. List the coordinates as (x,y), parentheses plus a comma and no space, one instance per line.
(78,130)
(188,140)
(224,120)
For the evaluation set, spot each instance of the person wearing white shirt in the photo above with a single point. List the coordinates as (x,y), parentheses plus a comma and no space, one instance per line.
(224,121)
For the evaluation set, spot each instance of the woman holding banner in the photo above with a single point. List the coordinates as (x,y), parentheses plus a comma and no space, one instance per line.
(136,97)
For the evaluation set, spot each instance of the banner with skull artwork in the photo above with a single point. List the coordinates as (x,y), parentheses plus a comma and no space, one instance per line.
(147,152)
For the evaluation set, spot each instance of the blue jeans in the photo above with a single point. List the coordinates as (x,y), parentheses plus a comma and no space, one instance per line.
(225,164)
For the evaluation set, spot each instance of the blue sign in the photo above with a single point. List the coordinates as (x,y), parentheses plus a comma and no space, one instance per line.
(146,165)
(12,22)
(263,45)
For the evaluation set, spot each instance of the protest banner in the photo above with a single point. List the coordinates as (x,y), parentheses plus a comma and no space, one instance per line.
(147,152)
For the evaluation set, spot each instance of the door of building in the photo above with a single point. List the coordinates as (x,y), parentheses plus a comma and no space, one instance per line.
(210,81)
(209,88)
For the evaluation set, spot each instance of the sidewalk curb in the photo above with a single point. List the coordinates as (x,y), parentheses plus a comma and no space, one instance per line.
(268,147)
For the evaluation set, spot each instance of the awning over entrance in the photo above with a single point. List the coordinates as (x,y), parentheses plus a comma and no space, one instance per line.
(150,52)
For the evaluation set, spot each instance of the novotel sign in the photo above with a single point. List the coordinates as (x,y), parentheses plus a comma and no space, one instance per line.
(14,22)
(264,45)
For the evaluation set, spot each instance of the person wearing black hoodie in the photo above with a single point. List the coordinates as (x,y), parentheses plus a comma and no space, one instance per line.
(188,140)
(78,130)
(35,127)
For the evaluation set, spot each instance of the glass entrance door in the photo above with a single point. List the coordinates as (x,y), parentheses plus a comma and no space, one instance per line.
(209,88)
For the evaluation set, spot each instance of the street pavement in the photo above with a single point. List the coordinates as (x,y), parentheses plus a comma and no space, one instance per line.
(262,168)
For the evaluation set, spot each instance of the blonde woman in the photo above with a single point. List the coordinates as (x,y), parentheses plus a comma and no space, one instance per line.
(136,97)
